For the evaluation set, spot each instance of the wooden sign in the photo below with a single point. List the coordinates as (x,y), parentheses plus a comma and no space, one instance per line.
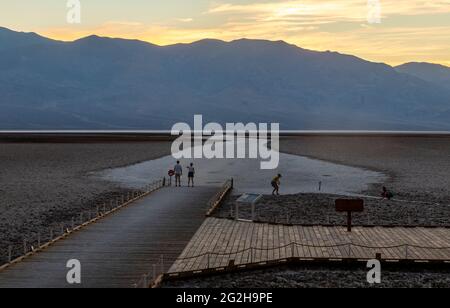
(349,205)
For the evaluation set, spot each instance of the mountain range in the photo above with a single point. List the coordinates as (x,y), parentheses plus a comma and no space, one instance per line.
(105,83)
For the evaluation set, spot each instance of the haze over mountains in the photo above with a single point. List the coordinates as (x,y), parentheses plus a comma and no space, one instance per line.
(103,83)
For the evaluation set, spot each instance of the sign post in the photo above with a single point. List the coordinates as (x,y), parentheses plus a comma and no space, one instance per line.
(171,173)
(349,206)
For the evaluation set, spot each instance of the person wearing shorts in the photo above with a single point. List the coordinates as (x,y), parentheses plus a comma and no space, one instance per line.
(178,173)
(191,174)
(276,184)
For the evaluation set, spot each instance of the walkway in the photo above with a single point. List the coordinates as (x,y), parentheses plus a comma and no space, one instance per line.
(219,242)
(117,250)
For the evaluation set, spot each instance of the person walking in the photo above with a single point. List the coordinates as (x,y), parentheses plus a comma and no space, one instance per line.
(178,173)
(276,184)
(191,174)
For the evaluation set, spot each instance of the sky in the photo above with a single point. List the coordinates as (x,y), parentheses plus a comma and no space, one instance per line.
(408,30)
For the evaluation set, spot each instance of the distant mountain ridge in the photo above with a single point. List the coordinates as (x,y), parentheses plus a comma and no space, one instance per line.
(434,73)
(105,83)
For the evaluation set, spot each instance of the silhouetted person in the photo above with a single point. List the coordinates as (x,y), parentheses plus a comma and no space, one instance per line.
(178,173)
(276,184)
(386,194)
(191,174)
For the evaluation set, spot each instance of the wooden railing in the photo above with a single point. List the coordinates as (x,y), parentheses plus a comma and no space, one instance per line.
(217,199)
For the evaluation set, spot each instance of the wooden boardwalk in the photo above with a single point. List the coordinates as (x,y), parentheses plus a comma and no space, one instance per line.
(117,250)
(219,242)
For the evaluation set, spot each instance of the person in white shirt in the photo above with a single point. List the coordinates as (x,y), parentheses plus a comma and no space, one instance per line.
(191,173)
(178,173)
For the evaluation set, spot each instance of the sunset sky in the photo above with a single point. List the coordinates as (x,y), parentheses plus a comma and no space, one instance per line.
(410,30)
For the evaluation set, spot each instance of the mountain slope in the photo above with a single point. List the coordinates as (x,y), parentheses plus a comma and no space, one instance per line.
(433,73)
(108,83)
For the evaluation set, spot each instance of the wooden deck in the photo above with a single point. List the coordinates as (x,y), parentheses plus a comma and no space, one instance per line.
(117,250)
(219,242)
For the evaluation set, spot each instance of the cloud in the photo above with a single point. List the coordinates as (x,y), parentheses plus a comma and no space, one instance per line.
(339,25)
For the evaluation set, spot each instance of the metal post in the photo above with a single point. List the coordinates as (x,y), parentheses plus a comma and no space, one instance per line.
(320,186)
(349,250)
(145,281)
(51,234)
(39,239)
(154,273)
(292,250)
(9,254)
(25,250)
(349,221)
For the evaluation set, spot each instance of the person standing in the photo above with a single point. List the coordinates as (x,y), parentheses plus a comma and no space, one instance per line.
(276,184)
(191,173)
(178,173)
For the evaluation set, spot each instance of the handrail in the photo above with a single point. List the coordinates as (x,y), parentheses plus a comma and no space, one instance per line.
(215,201)
(351,244)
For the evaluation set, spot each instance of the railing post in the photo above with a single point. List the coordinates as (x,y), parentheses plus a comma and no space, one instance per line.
(25,247)
(9,254)
(251,254)
(39,239)
(145,281)
(292,250)
(51,235)
(232,183)
(406,251)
